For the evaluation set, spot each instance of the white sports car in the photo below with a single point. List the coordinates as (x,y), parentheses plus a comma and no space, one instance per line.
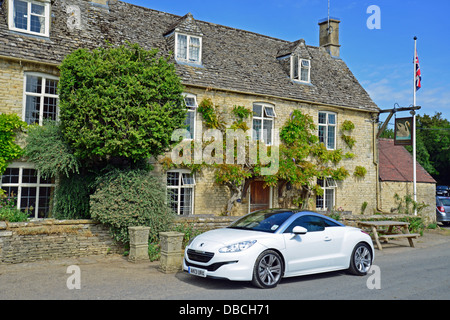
(265,246)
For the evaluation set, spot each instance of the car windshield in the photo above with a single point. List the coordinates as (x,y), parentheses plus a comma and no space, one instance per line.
(445,202)
(265,221)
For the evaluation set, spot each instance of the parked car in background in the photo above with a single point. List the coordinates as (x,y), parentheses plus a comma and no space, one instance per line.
(443,210)
(443,191)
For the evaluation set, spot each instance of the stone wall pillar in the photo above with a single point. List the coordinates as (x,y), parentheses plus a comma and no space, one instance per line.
(138,244)
(171,252)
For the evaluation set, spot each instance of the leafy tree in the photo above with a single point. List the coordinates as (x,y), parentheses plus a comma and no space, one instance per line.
(10,125)
(119,103)
(434,133)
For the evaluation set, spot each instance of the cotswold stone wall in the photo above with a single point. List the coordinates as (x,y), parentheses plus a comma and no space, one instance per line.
(52,239)
(205,222)
(426,194)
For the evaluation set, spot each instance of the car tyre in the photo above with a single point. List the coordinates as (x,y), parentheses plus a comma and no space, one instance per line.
(268,270)
(361,259)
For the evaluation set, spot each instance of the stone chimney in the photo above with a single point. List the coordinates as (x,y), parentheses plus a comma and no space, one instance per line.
(329,36)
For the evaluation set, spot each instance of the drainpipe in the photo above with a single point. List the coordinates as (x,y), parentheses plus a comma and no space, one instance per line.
(376,161)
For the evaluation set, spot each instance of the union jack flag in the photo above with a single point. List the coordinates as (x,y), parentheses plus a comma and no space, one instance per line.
(418,74)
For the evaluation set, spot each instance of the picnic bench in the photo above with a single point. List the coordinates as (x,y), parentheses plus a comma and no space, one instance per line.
(380,232)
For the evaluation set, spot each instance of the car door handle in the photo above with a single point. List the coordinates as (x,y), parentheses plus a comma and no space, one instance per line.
(327,238)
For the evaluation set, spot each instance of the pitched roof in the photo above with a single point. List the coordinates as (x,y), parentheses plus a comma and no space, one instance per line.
(396,164)
(232,59)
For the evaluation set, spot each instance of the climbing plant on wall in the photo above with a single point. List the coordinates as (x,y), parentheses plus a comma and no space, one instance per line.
(302,159)
(10,125)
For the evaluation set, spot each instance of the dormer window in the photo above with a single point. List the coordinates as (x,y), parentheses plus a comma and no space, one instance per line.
(188,48)
(31,17)
(300,69)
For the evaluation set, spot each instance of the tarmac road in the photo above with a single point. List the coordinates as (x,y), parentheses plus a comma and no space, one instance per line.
(405,273)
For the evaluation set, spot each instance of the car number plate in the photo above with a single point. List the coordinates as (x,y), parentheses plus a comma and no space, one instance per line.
(197,272)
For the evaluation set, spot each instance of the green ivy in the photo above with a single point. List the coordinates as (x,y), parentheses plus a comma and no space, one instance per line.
(10,125)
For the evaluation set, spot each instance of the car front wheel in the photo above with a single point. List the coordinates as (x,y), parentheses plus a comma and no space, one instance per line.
(361,259)
(268,270)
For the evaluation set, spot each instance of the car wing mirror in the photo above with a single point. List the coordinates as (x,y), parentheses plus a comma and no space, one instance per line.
(299,230)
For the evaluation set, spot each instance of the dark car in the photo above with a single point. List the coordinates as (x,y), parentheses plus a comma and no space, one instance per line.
(443,210)
(443,191)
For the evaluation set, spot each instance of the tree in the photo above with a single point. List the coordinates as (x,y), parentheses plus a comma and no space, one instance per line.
(434,133)
(119,103)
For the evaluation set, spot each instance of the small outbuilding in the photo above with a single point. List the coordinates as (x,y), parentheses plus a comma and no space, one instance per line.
(396,178)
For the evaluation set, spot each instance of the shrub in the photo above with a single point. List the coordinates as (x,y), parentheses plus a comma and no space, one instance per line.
(72,196)
(9,211)
(130,198)
(47,148)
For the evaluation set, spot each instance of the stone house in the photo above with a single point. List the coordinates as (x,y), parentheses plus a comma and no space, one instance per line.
(231,67)
(396,178)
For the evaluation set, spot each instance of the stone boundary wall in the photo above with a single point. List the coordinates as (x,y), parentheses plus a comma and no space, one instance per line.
(51,239)
(206,222)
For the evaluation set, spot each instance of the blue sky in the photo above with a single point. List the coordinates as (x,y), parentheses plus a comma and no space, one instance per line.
(381,59)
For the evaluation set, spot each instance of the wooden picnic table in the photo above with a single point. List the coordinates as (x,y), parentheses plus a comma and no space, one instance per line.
(379,231)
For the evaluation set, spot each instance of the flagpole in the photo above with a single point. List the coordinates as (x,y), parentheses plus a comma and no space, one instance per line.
(414,126)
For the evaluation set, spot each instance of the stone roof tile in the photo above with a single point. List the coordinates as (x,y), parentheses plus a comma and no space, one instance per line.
(396,164)
(232,59)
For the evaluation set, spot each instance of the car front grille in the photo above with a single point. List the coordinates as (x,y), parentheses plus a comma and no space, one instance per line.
(199,256)
(213,267)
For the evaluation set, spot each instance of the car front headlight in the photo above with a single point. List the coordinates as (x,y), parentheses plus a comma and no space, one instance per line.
(237,247)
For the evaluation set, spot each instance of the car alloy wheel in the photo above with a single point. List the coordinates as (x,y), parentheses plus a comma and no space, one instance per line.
(361,260)
(268,270)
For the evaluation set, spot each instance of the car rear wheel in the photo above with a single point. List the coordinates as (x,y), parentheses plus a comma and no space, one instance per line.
(268,270)
(361,259)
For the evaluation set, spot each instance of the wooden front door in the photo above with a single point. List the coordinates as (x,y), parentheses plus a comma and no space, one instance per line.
(259,196)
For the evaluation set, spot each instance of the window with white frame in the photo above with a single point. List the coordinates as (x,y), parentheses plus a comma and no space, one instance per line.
(31,17)
(191,104)
(40,98)
(263,122)
(326,202)
(188,48)
(327,129)
(32,193)
(180,192)
(300,69)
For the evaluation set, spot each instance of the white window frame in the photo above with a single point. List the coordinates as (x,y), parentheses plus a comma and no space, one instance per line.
(41,95)
(188,58)
(268,115)
(328,186)
(191,109)
(182,185)
(297,64)
(21,166)
(44,3)
(326,127)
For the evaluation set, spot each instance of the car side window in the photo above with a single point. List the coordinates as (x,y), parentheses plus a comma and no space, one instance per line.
(310,223)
